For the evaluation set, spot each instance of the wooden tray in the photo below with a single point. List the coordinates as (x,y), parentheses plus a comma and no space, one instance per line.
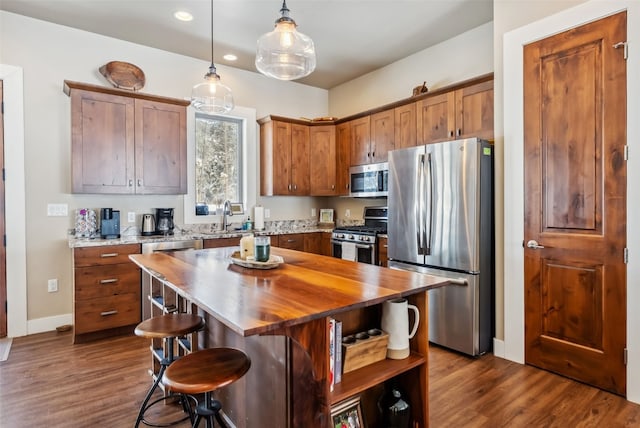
(123,75)
(273,262)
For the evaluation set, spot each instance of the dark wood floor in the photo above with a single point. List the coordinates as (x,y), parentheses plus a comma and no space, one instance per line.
(49,382)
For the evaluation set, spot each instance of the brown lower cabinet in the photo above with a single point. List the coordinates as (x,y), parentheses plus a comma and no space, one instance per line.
(220,242)
(382,251)
(106,295)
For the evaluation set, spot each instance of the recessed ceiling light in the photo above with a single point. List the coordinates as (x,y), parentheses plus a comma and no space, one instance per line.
(183,15)
(230,57)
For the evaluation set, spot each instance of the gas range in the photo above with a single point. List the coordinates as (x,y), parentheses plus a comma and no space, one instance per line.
(375,223)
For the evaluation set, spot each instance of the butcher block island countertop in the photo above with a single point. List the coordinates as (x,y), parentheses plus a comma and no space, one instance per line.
(254,309)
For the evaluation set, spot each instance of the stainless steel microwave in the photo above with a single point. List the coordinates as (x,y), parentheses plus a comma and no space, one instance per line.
(369,181)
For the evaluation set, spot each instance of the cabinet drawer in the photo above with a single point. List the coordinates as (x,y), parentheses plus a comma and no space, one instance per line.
(105,255)
(107,312)
(104,281)
(294,241)
(220,242)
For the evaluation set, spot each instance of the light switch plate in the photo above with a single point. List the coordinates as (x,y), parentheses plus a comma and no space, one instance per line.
(131,217)
(57,210)
(313,212)
(267,213)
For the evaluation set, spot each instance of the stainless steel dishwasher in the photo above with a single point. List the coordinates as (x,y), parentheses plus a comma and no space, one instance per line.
(153,247)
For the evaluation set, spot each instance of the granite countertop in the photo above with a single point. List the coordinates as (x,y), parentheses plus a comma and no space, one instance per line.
(184,234)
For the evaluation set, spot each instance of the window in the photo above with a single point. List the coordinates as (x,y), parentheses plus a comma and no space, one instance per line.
(224,166)
(218,161)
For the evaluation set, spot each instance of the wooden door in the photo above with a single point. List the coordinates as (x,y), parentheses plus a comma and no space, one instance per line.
(3,249)
(575,203)
(102,143)
(323,166)
(360,138)
(474,111)
(382,135)
(405,129)
(436,118)
(161,148)
(343,161)
(299,160)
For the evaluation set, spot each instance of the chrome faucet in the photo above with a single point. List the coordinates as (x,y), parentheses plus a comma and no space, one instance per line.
(226,209)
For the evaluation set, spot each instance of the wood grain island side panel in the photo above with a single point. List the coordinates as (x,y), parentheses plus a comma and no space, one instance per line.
(296,300)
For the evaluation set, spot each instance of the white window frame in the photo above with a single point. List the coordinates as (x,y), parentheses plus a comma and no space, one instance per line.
(249,167)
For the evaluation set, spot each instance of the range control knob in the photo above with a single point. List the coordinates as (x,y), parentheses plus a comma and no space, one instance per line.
(352,237)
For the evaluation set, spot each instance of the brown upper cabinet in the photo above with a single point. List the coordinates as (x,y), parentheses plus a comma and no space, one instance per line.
(465,112)
(323,179)
(312,159)
(372,137)
(343,160)
(126,142)
(405,126)
(284,158)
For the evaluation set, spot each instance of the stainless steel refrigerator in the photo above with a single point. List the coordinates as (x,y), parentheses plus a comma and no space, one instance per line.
(441,223)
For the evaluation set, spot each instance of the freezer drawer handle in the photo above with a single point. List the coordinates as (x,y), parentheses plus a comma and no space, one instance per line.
(534,244)
(458,281)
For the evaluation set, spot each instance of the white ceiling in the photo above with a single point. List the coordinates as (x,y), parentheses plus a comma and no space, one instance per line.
(352,37)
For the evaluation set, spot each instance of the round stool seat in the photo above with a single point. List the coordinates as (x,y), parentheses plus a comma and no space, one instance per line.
(169,325)
(206,370)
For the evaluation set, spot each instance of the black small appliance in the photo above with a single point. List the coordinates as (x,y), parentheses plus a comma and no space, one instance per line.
(164,221)
(109,223)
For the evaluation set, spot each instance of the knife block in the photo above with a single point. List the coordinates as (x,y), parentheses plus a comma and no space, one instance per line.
(362,349)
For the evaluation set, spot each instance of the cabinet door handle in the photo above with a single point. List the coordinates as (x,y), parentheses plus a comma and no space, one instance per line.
(333,187)
(295,187)
(139,182)
(130,183)
(290,240)
(450,133)
(459,132)
(109,255)
(107,313)
(289,187)
(108,281)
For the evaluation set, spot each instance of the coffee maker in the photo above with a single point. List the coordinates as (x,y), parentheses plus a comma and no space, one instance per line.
(109,223)
(164,221)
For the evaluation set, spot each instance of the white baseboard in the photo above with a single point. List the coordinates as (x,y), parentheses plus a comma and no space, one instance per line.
(498,347)
(40,325)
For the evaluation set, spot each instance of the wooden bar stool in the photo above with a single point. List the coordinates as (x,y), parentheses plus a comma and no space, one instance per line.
(167,327)
(204,372)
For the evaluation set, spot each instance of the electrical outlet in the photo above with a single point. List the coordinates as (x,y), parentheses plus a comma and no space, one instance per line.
(347,213)
(267,213)
(57,210)
(131,217)
(52,285)
(313,212)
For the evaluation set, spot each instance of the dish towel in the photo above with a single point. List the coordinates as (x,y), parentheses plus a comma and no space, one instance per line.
(349,251)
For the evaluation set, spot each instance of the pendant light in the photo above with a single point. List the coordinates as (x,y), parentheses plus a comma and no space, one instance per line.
(211,96)
(285,53)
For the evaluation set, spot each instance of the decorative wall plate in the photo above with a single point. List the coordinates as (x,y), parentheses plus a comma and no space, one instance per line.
(123,75)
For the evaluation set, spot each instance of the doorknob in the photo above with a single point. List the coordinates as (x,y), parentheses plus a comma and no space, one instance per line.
(534,244)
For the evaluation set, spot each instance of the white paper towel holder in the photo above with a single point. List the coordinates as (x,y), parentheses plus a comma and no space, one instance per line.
(258,217)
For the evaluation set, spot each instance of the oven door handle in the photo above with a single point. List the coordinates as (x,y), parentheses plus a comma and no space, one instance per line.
(363,246)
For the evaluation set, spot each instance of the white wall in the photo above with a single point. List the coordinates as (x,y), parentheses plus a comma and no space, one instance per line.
(49,54)
(513,172)
(460,58)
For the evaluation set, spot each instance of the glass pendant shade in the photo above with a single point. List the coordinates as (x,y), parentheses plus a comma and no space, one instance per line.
(285,53)
(211,96)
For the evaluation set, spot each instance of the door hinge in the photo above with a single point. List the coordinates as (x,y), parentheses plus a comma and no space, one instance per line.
(625,48)
(625,356)
(625,255)
(626,152)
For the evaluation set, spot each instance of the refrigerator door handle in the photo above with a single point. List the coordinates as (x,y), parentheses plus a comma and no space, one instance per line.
(428,227)
(459,281)
(418,203)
